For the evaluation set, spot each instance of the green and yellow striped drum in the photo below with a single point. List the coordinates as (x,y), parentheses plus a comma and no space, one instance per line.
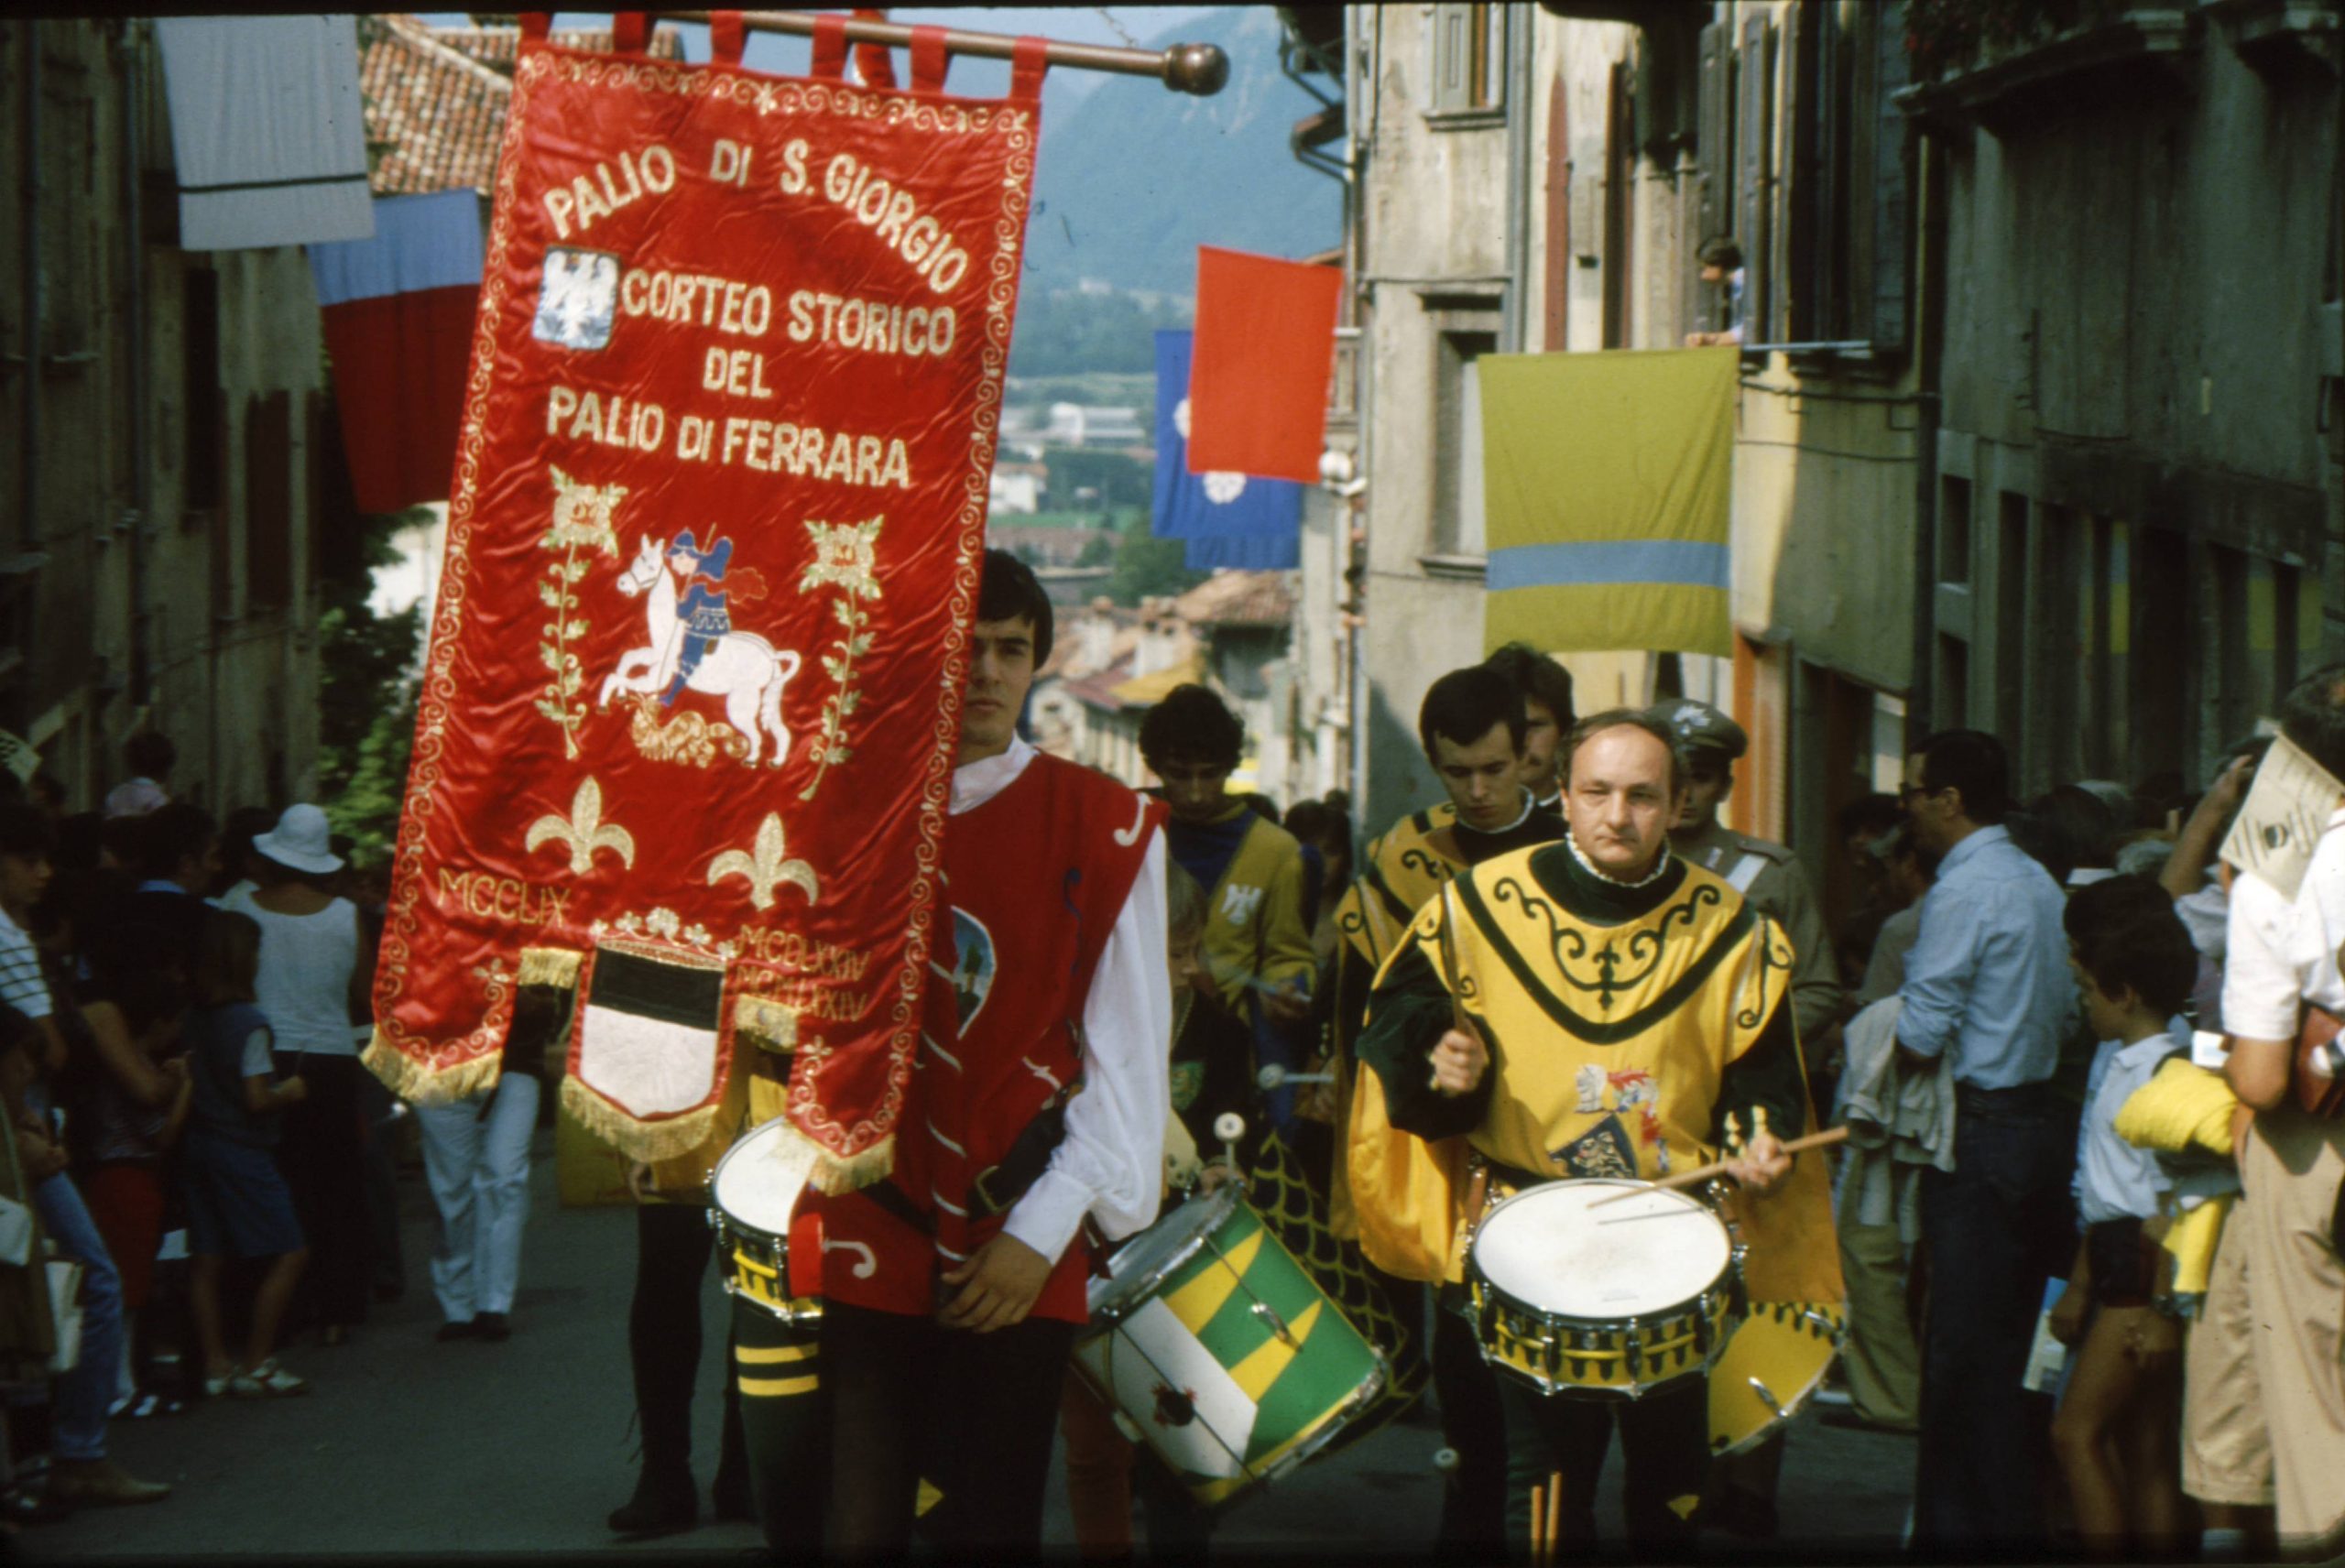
(1772,1363)
(1214,1347)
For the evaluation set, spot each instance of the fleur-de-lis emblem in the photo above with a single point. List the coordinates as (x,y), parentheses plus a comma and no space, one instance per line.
(763,866)
(584,832)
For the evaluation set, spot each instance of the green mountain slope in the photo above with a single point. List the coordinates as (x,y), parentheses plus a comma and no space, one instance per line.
(1135,177)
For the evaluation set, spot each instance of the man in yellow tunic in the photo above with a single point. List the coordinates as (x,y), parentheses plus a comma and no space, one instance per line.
(1587,1008)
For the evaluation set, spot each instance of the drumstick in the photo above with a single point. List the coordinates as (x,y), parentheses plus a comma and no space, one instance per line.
(1555,1512)
(1538,1523)
(1703,1173)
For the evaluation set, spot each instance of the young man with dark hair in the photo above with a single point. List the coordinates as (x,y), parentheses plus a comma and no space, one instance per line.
(952,1288)
(1720,260)
(2280,975)
(1485,1026)
(1987,985)
(1547,688)
(1257,947)
(1474,724)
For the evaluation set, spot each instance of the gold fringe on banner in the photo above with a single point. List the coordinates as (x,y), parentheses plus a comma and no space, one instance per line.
(551,966)
(834,1174)
(421,1084)
(647,1141)
(766,1023)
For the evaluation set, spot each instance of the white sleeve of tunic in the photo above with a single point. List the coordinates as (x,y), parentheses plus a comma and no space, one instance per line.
(1111,1163)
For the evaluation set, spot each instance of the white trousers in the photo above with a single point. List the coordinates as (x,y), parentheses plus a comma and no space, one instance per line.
(478,1167)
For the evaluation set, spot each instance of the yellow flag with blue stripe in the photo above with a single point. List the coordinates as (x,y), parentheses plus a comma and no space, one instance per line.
(1606,485)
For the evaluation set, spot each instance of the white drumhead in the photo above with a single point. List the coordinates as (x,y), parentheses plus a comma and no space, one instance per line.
(1548,1249)
(758,1179)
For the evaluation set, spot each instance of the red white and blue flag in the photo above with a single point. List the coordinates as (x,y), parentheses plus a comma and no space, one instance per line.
(399,312)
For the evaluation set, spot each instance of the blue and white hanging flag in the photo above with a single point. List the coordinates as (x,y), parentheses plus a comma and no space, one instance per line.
(1228,519)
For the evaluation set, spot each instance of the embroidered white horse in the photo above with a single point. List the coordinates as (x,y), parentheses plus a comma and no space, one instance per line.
(744,669)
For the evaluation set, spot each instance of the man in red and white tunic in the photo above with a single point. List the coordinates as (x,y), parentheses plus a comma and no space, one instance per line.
(954,1289)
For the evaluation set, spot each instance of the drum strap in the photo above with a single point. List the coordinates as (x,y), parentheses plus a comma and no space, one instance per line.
(998,1187)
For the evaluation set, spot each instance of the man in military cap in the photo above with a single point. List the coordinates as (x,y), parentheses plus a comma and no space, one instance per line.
(1764,873)
(1772,879)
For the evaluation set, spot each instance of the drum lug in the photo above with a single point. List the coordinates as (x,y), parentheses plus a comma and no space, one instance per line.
(1269,1314)
(1767,1397)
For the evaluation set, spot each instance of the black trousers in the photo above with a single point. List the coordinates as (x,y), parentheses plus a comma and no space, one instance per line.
(324,1156)
(784,1404)
(973,1413)
(672,1242)
(1665,1439)
(1473,1499)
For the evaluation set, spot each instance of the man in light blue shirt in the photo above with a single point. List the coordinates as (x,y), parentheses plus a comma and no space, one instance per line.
(1987,985)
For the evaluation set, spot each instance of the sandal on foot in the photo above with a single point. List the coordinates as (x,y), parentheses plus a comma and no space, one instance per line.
(268,1380)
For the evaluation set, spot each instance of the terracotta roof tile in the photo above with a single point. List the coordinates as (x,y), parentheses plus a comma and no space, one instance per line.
(1237,599)
(435,98)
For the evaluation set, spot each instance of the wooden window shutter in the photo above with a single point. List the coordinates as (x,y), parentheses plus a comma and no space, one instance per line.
(1799,224)
(1715,153)
(1452,57)
(1887,242)
(1755,119)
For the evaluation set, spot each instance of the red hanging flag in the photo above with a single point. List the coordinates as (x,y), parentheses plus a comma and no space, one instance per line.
(1265,352)
(397,311)
(693,698)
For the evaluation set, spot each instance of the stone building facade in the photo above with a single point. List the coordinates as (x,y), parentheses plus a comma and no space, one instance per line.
(2040,419)
(168,472)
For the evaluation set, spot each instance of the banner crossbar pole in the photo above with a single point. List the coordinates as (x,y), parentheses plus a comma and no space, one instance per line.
(1200,69)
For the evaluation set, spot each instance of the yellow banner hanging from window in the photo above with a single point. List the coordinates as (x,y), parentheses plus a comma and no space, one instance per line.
(1607,479)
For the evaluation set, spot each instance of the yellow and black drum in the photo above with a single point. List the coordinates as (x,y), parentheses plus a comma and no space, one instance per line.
(1610,1303)
(1771,1367)
(755,1191)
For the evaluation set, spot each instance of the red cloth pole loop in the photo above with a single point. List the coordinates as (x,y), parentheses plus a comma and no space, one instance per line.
(1031,58)
(830,46)
(536,24)
(629,30)
(930,60)
(725,37)
(871,60)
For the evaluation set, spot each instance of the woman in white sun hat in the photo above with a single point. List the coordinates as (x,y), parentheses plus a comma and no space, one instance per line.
(311,978)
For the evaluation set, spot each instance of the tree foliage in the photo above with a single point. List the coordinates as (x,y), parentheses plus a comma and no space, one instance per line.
(1148,567)
(1065,332)
(368,665)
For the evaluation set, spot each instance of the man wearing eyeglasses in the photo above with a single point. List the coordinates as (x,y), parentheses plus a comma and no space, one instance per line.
(1987,987)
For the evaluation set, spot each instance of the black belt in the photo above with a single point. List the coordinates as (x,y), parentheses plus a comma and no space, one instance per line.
(2018,1097)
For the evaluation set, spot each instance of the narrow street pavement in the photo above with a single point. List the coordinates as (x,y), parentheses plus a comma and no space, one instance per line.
(409,1446)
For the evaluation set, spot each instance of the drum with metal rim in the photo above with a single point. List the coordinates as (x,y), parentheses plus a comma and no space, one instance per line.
(1610,1304)
(1772,1365)
(753,1194)
(1214,1348)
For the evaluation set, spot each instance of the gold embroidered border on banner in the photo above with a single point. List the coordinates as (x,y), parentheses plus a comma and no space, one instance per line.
(414,1067)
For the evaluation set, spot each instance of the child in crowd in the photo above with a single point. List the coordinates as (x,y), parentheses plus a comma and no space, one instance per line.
(236,1201)
(2118,1427)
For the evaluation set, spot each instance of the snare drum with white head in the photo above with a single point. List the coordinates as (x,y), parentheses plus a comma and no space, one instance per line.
(755,1193)
(1610,1303)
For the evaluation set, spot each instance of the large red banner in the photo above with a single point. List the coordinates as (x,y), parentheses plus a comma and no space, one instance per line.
(692,700)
